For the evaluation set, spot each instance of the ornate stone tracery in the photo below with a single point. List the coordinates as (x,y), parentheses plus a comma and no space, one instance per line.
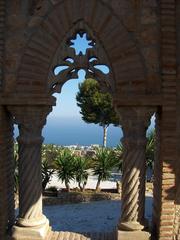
(91,60)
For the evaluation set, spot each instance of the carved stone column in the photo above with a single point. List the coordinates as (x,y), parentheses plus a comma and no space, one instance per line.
(31,222)
(134,122)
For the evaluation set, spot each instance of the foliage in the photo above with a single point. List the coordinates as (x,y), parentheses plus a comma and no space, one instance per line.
(104,163)
(150,149)
(47,172)
(50,152)
(96,107)
(119,155)
(16,172)
(81,174)
(65,165)
(52,189)
(49,155)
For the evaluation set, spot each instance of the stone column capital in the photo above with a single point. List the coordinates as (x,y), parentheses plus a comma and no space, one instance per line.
(134,122)
(133,116)
(30,120)
(26,114)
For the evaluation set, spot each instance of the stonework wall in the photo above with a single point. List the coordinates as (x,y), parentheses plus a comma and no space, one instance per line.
(142,21)
(143,50)
(42,28)
(177,198)
(167,123)
(6,173)
(169,118)
(2,39)
(16,20)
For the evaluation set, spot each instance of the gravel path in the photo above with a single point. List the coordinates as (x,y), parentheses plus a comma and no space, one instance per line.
(99,216)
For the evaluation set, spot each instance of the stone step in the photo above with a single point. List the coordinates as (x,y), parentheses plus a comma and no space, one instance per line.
(77,236)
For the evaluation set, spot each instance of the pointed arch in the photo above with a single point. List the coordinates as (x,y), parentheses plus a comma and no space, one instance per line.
(89,61)
(49,33)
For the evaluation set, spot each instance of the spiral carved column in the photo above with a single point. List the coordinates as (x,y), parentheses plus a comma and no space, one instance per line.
(31,221)
(134,122)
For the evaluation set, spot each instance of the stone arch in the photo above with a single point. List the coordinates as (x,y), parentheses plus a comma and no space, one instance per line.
(45,34)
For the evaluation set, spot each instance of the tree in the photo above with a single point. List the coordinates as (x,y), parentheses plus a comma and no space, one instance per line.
(81,174)
(65,166)
(96,107)
(104,162)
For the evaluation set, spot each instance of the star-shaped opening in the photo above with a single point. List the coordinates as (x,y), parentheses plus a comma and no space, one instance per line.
(81,43)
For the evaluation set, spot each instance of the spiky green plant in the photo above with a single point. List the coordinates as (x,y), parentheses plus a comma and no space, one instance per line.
(65,167)
(49,154)
(81,171)
(104,162)
(119,154)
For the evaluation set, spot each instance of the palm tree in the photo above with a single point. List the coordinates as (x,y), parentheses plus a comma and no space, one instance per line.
(81,174)
(104,162)
(65,166)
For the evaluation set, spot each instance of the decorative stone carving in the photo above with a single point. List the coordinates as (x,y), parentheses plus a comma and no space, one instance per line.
(134,122)
(31,221)
(89,60)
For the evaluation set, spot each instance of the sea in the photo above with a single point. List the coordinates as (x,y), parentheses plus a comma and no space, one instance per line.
(74,131)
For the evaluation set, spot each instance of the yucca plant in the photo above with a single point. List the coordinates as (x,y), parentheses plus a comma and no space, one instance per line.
(49,155)
(104,162)
(65,167)
(48,169)
(81,174)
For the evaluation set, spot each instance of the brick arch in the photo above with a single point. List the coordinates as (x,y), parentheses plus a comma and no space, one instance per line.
(50,30)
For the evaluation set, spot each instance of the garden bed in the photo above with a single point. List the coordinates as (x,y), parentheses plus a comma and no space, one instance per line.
(78,197)
(89,195)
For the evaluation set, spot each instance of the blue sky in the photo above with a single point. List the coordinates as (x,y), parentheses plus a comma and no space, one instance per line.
(66,106)
(66,103)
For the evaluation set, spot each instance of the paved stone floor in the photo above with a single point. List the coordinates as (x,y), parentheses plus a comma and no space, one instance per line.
(77,236)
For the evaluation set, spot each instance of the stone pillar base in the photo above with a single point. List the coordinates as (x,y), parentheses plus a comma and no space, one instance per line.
(130,226)
(31,233)
(129,235)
